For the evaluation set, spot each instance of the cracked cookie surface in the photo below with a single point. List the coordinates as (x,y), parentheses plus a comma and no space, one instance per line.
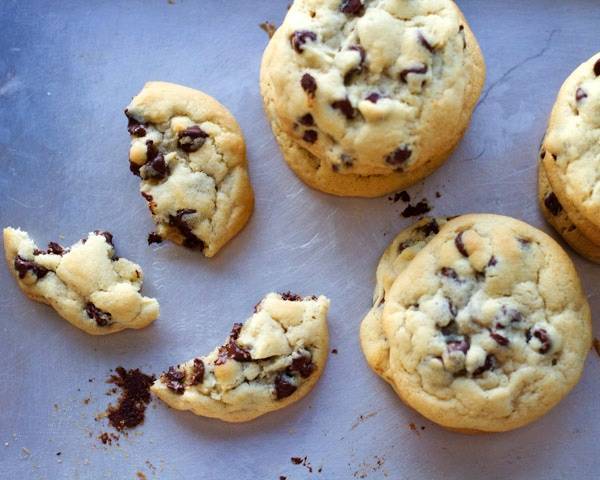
(488,326)
(87,284)
(395,259)
(190,154)
(272,360)
(359,97)
(571,148)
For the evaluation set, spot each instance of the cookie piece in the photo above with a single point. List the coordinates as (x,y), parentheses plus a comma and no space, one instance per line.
(368,99)
(571,148)
(555,215)
(488,326)
(394,260)
(190,155)
(87,284)
(272,360)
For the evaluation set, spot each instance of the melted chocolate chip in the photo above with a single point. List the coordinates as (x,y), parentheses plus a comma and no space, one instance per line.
(154,237)
(352,7)
(420,208)
(493,262)
(291,297)
(310,136)
(500,339)
(542,335)
(56,249)
(306,120)
(399,156)
(300,37)
(449,273)
(303,365)
(156,167)
(345,107)
(597,68)
(460,246)
(174,380)
(135,128)
(462,345)
(309,84)
(283,387)
(461,30)
(135,396)
(580,94)
(450,330)
(431,228)
(490,363)
(23,266)
(552,204)
(419,70)
(107,235)
(363,55)
(373,97)
(231,349)
(199,369)
(403,246)
(192,139)
(423,41)
(177,221)
(102,318)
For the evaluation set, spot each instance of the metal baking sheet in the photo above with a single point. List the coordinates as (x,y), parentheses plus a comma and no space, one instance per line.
(67,70)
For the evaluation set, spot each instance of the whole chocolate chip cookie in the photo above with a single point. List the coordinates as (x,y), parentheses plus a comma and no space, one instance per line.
(488,326)
(394,260)
(272,360)
(368,98)
(556,215)
(87,284)
(571,148)
(190,154)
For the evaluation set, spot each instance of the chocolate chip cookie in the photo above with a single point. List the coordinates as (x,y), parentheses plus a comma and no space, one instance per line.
(368,97)
(394,260)
(488,326)
(87,283)
(272,360)
(571,148)
(190,154)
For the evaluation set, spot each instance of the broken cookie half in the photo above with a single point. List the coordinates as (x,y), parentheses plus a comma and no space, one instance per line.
(267,363)
(190,154)
(87,284)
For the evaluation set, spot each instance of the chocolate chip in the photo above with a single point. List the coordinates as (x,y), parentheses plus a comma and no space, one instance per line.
(135,128)
(552,204)
(450,330)
(107,236)
(102,318)
(231,349)
(174,380)
(542,335)
(399,156)
(23,266)
(418,70)
(310,136)
(134,168)
(430,228)
(423,41)
(493,262)
(352,7)
(56,249)
(500,339)
(461,30)
(283,387)
(403,246)
(580,94)
(291,297)
(460,246)
(453,309)
(597,68)
(198,376)
(155,166)
(345,107)
(177,221)
(459,346)
(303,365)
(490,363)
(525,243)
(306,120)
(154,237)
(363,55)
(420,208)
(449,273)
(300,37)
(192,139)
(373,97)
(309,84)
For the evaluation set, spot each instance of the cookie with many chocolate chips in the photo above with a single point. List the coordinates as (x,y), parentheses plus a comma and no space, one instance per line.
(394,260)
(556,215)
(87,284)
(272,360)
(368,97)
(488,326)
(571,148)
(190,154)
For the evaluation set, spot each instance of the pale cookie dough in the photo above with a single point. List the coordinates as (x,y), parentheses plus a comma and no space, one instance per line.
(272,360)
(368,99)
(190,154)
(571,148)
(87,284)
(555,215)
(488,326)
(394,260)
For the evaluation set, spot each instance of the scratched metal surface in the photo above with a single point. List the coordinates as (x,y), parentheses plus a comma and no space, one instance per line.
(67,69)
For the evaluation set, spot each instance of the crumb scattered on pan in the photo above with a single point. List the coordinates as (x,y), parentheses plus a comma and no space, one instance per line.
(438,195)
(371,467)
(108,438)
(268,27)
(596,344)
(419,209)
(135,397)
(403,195)
(334,351)
(362,418)
(25,452)
(142,475)
(302,461)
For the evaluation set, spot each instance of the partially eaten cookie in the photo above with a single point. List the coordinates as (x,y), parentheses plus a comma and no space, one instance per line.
(272,360)
(87,283)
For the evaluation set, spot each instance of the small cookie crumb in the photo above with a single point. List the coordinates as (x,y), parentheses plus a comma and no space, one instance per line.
(268,27)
